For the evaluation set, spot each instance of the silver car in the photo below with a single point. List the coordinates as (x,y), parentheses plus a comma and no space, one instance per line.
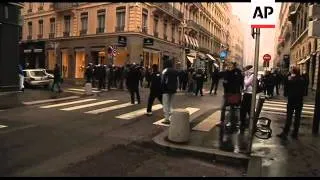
(36,77)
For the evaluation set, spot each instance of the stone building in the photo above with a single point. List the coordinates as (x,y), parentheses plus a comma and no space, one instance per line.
(74,34)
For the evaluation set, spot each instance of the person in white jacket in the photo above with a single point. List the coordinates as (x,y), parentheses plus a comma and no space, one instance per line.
(246,98)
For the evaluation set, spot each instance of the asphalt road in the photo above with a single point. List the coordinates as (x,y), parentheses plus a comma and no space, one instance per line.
(70,142)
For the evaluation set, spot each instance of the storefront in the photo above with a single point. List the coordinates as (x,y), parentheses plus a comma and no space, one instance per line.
(80,60)
(150,57)
(32,55)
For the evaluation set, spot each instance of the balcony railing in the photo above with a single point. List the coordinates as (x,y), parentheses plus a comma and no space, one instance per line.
(166,7)
(29,37)
(64,6)
(83,32)
(100,30)
(40,36)
(51,35)
(165,37)
(156,34)
(66,34)
(144,30)
(119,29)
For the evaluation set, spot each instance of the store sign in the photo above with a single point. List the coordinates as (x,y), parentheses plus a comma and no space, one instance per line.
(263,14)
(148,42)
(122,40)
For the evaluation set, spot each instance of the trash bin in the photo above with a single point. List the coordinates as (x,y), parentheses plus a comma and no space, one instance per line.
(88,88)
(179,130)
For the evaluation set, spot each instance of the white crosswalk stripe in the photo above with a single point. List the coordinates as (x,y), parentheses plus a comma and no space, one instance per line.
(207,124)
(102,110)
(280,108)
(190,109)
(138,113)
(81,90)
(3,126)
(88,105)
(68,103)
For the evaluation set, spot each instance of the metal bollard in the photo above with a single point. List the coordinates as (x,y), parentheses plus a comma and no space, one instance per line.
(179,130)
(88,88)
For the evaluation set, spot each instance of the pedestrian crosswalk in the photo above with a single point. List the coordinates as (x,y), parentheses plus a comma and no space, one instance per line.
(123,110)
(280,108)
(3,126)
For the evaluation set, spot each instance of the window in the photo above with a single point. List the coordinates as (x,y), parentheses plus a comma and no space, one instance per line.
(30,7)
(172,31)
(101,20)
(165,27)
(144,20)
(67,24)
(52,25)
(156,24)
(84,22)
(6,12)
(121,18)
(40,27)
(30,29)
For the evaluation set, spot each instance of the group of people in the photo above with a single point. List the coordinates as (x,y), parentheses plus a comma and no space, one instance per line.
(238,88)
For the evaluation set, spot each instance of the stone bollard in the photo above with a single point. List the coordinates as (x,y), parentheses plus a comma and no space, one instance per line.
(88,88)
(179,130)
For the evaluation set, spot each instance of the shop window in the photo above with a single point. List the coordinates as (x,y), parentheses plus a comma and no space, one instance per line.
(65,65)
(80,64)
(51,59)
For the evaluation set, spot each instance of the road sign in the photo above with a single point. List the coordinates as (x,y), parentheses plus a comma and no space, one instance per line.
(267,57)
(263,14)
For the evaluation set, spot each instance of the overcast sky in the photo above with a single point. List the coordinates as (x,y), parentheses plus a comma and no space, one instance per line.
(267,40)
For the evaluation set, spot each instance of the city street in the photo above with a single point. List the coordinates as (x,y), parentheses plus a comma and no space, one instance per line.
(78,140)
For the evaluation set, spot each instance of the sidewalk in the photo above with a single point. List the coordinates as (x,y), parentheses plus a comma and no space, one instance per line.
(269,158)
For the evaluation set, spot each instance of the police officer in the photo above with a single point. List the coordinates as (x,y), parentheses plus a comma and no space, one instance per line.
(155,88)
(199,78)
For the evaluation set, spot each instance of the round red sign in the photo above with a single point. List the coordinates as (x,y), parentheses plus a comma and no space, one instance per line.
(266,57)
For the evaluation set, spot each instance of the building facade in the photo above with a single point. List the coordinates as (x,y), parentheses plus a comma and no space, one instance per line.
(74,34)
(304,44)
(237,40)
(283,39)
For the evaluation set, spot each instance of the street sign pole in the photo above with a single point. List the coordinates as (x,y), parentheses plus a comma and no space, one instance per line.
(254,91)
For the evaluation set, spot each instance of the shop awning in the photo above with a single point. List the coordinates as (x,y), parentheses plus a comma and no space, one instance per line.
(201,55)
(191,59)
(197,44)
(304,60)
(186,39)
(210,57)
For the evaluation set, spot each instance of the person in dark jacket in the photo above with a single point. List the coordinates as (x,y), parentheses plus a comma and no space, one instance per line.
(89,73)
(132,82)
(277,81)
(57,78)
(169,83)
(215,80)
(148,77)
(199,79)
(269,82)
(232,82)
(155,88)
(184,80)
(294,92)
(101,75)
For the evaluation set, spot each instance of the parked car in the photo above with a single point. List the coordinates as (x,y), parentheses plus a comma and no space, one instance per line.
(50,75)
(36,77)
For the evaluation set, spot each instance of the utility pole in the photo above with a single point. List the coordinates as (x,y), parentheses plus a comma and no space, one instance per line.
(256,36)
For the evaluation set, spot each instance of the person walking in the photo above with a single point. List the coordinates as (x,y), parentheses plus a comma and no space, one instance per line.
(89,73)
(56,79)
(169,83)
(215,80)
(295,90)
(155,88)
(245,107)
(199,79)
(21,78)
(132,81)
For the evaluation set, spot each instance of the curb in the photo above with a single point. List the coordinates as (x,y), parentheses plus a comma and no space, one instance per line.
(215,154)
